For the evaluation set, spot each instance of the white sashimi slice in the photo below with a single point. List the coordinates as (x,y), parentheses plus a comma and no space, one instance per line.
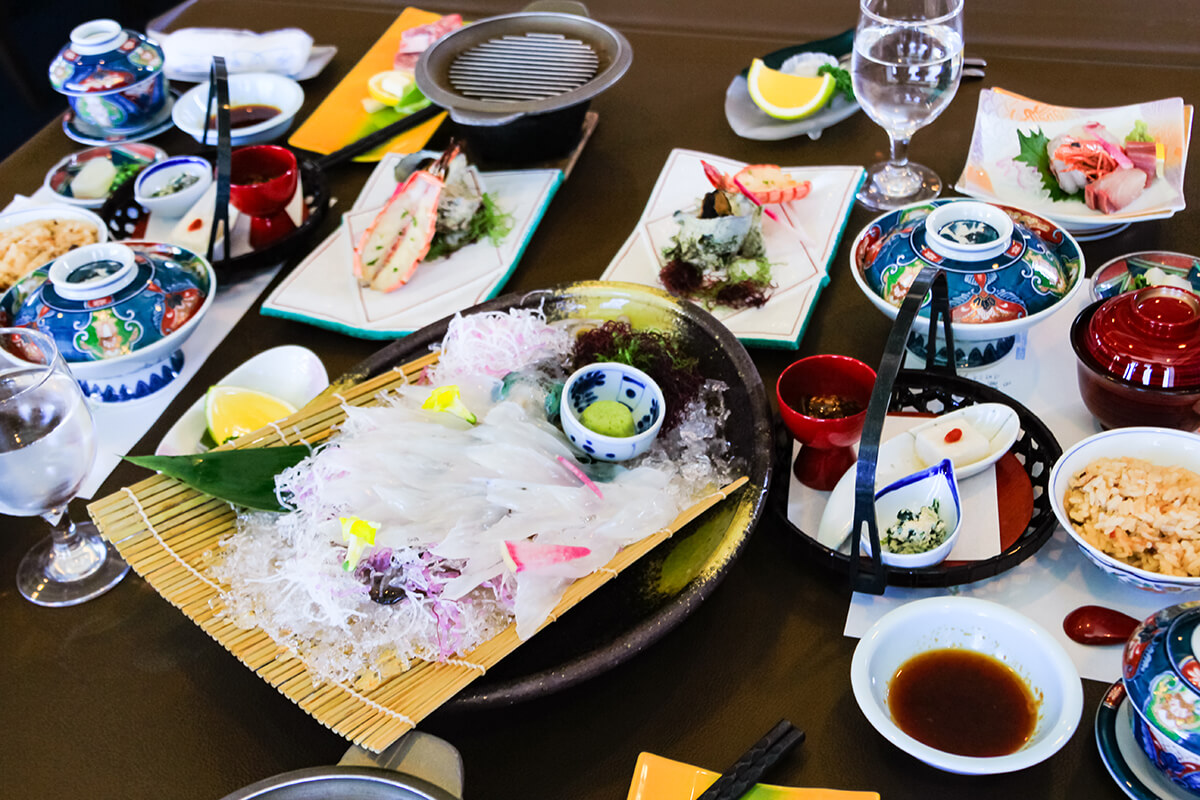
(399,238)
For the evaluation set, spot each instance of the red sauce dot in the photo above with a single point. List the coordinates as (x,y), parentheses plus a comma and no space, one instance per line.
(953,436)
(195,225)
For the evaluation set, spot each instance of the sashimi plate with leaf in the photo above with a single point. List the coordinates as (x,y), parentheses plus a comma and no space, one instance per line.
(1010,159)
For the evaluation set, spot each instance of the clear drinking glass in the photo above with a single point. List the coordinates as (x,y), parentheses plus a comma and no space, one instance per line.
(47,443)
(906,68)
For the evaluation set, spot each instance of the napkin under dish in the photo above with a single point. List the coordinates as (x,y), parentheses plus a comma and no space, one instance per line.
(190,50)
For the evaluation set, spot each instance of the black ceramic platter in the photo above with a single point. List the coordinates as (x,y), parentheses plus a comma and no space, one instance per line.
(660,590)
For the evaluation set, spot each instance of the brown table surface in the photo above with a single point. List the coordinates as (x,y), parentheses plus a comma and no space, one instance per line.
(123,697)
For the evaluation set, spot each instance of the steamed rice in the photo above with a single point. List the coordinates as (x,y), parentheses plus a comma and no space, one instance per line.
(1138,512)
(25,247)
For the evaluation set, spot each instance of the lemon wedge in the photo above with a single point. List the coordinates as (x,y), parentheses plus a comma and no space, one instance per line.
(785,96)
(389,87)
(232,411)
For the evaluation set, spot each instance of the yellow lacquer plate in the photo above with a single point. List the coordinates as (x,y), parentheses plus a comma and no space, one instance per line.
(341,117)
(658,778)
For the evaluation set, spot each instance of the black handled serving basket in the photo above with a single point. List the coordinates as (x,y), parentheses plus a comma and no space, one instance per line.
(936,389)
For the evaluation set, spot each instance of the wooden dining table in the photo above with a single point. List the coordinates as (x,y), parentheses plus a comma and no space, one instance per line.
(124,697)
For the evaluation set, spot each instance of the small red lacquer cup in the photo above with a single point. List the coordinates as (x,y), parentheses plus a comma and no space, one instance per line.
(827,444)
(263,181)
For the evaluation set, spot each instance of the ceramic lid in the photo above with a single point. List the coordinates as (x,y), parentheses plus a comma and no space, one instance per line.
(104,301)
(1162,674)
(1150,337)
(102,57)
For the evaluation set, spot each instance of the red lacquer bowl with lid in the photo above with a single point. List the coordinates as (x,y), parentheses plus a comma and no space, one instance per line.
(1138,358)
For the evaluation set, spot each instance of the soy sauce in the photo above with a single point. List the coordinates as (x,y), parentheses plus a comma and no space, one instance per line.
(246,115)
(962,702)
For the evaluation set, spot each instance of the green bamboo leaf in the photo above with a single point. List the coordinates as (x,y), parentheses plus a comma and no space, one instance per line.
(242,477)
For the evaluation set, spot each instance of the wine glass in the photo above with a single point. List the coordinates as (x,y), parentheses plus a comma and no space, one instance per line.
(906,68)
(47,443)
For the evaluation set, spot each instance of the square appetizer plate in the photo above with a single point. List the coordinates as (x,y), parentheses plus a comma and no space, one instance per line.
(323,291)
(991,174)
(799,254)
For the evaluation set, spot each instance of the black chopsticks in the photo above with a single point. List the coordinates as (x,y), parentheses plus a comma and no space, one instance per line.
(754,763)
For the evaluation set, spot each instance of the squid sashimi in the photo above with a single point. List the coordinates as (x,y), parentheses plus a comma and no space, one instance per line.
(392,248)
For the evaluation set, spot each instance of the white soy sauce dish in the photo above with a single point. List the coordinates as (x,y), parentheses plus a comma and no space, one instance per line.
(989,430)
(289,372)
(931,487)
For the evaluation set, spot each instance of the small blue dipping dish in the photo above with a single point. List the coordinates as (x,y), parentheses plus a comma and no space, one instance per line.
(617,382)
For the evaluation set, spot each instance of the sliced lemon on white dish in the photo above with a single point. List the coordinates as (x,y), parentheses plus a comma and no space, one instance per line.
(785,96)
(232,411)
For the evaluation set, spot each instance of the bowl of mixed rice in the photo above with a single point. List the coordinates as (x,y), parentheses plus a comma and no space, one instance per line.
(1130,498)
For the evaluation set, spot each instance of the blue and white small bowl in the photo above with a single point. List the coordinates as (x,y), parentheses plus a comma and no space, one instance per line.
(628,386)
(156,176)
(924,488)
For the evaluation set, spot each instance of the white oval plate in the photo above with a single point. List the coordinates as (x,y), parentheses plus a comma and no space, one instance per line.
(289,372)
(898,457)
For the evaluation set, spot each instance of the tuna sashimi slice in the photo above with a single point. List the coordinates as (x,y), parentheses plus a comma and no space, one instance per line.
(1144,156)
(1115,190)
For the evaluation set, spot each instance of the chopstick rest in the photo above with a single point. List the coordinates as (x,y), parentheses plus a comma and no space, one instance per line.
(755,762)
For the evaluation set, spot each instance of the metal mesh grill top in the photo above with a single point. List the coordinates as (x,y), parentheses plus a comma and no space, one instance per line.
(531,66)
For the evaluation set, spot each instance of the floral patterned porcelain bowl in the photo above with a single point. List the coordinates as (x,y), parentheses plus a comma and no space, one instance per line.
(118,312)
(1162,679)
(113,78)
(1002,278)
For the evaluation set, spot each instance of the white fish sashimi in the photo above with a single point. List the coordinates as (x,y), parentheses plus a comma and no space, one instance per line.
(445,500)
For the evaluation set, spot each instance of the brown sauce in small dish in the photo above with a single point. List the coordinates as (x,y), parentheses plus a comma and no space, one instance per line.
(962,702)
(246,115)
(828,406)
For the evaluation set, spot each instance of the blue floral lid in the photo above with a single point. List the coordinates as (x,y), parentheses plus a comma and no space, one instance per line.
(105,301)
(1031,267)
(102,57)
(1162,674)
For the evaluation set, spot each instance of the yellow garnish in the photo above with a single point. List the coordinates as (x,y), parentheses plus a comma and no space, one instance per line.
(357,533)
(446,398)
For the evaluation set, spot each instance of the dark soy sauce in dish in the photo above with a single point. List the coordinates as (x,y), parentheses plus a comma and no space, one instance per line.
(246,115)
(962,702)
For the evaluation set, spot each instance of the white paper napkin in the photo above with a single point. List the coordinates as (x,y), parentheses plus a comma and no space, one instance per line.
(190,50)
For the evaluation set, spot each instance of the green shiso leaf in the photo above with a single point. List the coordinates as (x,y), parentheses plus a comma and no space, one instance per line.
(489,221)
(845,86)
(1034,154)
(242,477)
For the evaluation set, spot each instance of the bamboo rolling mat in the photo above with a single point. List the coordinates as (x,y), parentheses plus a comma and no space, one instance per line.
(169,532)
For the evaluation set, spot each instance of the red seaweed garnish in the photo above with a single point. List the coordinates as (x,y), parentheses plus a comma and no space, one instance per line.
(744,294)
(681,278)
(655,353)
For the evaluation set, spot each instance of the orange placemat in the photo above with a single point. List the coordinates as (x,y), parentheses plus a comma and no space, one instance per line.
(341,118)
